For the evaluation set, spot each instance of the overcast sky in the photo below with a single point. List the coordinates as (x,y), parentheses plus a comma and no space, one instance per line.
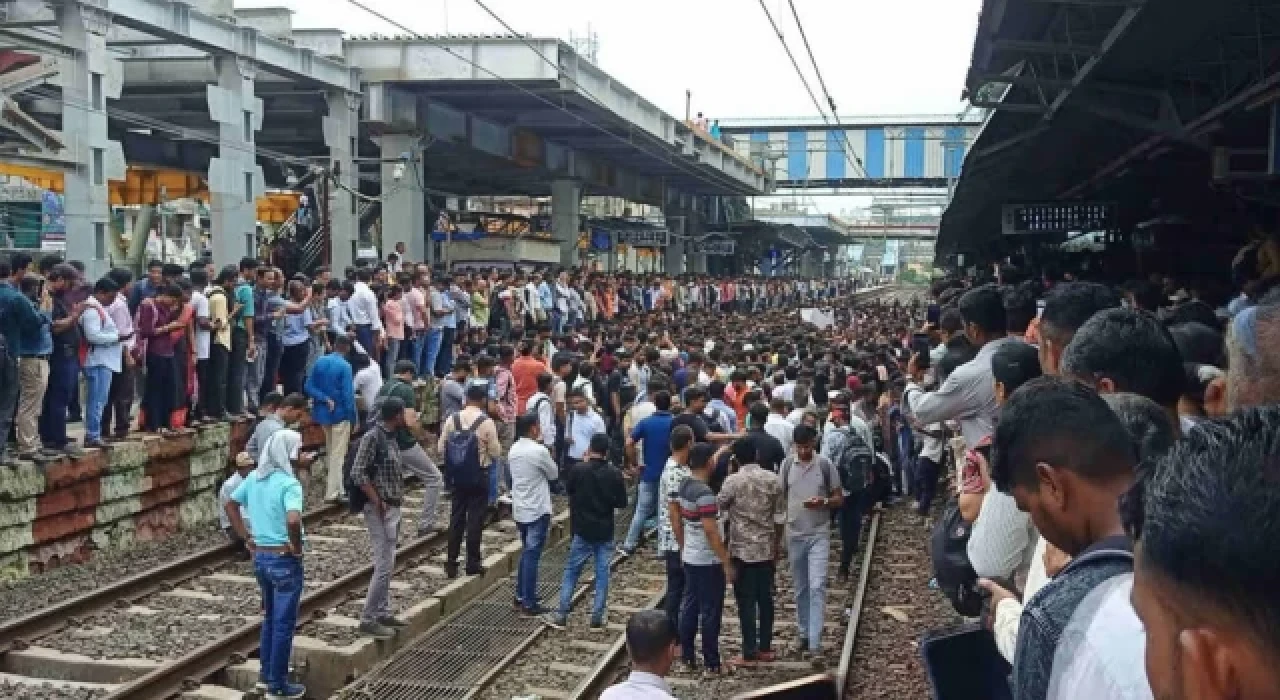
(877,56)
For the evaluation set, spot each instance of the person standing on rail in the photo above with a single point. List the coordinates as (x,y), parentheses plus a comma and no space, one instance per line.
(332,390)
(751,498)
(811,488)
(673,474)
(532,471)
(706,559)
(655,432)
(272,498)
(470,489)
(596,490)
(378,471)
(652,644)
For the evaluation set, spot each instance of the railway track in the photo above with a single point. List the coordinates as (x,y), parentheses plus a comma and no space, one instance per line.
(198,618)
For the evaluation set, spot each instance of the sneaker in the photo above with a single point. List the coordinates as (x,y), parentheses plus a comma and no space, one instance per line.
(535,611)
(376,630)
(392,621)
(555,621)
(478,571)
(288,691)
(94,444)
(505,500)
(451,571)
(597,623)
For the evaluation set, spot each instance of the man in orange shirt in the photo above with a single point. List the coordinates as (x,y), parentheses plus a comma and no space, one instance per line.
(736,396)
(525,370)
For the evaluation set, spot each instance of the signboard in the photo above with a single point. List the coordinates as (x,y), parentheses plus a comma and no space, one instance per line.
(822,318)
(1058,217)
(713,247)
(644,238)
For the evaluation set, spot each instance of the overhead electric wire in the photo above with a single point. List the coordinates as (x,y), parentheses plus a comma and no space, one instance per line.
(831,102)
(541,98)
(844,139)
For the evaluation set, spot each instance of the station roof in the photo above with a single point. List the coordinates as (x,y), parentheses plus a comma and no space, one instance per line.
(1116,100)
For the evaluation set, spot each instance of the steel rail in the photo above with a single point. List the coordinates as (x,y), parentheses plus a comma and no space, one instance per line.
(606,669)
(851,632)
(188,672)
(18,633)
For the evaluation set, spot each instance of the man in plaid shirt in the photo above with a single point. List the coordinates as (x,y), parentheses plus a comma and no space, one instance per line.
(378,472)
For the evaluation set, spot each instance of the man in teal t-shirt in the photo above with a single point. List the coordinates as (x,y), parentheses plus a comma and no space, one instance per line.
(272,498)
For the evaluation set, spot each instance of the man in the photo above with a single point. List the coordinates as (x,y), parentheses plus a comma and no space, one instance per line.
(102,360)
(1203,583)
(409,439)
(278,412)
(378,472)
(673,474)
(768,449)
(532,471)
(366,319)
(213,392)
(693,416)
(539,405)
(720,416)
(204,340)
(1066,458)
(849,446)
(618,378)
(526,370)
(25,367)
(1066,307)
(751,498)
(811,488)
(777,424)
(652,643)
(453,390)
(64,360)
(584,423)
(968,394)
(932,443)
(243,345)
(470,490)
(262,323)
(1122,350)
(272,497)
(123,383)
(704,557)
(331,386)
(148,287)
(655,432)
(1253,376)
(444,323)
(596,491)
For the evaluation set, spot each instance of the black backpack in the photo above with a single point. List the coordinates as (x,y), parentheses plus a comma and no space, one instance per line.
(462,454)
(356,498)
(948,548)
(856,461)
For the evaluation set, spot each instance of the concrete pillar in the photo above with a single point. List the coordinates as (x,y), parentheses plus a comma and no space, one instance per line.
(404,204)
(678,224)
(89,77)
(235,178)
(341,129)
(566,205)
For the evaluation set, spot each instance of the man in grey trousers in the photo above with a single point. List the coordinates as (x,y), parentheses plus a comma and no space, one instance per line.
(378,472)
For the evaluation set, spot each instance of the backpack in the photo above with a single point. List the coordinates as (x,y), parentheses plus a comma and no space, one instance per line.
(855,462)
(949,545)
(84,348)
(356,498)
(532,410)
(462,454)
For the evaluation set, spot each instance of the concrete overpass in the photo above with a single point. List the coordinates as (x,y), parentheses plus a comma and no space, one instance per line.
(240,95)
(894,151)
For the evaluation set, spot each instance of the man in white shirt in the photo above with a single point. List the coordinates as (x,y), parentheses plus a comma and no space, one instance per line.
(362,309)
(200,302)
(368,382)
(582,424)
(778,426)
(651,642)
(540,405)
(532,471)
(104,357)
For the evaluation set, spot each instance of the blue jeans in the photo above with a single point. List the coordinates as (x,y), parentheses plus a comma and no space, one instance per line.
(533,536)
(703,602)
(808,556)
(364,336)
(280,579)
(97,381)
(444,358)
(579,551)
(646,508)
(430,352)
(495,475)
(64,370)
(411,348)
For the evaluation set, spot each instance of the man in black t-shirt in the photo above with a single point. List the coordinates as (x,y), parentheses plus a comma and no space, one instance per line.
(695,404)
(618,378)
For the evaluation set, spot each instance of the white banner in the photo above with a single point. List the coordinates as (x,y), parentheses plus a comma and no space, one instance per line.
(822,318)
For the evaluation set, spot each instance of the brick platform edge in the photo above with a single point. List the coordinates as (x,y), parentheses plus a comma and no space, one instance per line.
(144,489)
(140,490)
